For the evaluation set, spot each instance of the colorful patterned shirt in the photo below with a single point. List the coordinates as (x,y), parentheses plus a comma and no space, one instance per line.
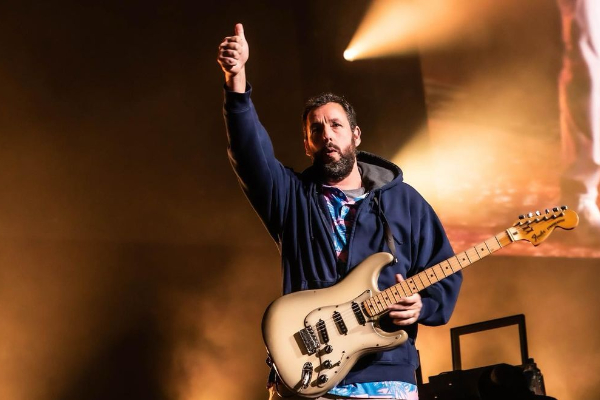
(343,212)
(378,390)
(343,206)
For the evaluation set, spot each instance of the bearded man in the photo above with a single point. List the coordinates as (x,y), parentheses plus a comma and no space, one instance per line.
(326,220)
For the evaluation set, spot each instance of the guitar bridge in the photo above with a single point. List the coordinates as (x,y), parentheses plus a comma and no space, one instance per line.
(310,340)
(322,329)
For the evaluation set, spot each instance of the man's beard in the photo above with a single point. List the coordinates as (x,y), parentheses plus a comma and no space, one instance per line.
(335,171)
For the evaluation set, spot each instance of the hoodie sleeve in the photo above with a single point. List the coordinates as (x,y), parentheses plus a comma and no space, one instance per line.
(264,180)
(432,247)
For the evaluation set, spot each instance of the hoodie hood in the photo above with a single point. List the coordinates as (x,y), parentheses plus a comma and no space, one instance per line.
(376,171)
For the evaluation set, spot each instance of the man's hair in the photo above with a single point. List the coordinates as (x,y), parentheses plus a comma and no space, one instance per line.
(321,100)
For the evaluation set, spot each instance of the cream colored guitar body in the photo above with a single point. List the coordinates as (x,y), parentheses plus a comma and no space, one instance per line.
(314,337)
(311,372)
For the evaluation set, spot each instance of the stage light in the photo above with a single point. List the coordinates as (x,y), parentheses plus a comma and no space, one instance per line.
(349,55)
(395,27)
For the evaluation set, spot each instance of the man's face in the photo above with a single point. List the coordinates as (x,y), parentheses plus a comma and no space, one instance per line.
(330,141)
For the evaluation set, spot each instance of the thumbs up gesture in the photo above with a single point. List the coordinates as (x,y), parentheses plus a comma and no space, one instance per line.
(233,53)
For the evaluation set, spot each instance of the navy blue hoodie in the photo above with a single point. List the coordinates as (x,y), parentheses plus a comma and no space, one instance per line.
(292,210)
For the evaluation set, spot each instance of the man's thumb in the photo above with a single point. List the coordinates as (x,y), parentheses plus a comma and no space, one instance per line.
(239,30)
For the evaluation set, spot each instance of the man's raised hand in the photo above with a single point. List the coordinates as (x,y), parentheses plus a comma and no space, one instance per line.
(232,57)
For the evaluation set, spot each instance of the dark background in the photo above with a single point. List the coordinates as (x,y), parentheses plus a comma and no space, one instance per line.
(131,265)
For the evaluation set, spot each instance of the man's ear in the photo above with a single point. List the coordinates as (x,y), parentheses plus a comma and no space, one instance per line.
(356,135)
(307,148)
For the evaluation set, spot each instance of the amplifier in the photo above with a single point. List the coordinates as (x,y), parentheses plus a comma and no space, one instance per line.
(492,382)
(499,381)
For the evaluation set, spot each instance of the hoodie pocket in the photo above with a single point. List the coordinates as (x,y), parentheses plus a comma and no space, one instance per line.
(403,354)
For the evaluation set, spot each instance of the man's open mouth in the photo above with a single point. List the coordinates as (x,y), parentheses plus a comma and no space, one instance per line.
(331,150)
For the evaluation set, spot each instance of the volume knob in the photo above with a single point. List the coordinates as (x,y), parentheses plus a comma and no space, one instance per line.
(323,378)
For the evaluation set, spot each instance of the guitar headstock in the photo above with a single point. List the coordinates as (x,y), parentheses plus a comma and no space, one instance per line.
(536,227)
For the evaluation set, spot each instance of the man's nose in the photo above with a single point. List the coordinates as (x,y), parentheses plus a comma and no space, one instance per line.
(327,133)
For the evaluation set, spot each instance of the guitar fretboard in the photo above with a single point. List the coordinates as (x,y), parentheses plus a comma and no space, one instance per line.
(379,303)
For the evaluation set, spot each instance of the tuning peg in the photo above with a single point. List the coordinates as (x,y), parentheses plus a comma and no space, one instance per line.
(521,216)
(529,215)
(555,209)
(564,208)
(547,211)
(538,213)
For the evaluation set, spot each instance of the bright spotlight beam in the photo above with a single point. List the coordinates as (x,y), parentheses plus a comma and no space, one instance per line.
(393,27)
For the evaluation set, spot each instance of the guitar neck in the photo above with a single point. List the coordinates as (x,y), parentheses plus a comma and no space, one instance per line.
(378,304)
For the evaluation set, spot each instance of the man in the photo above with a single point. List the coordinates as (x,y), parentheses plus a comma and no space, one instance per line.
(326,220)
(579,88)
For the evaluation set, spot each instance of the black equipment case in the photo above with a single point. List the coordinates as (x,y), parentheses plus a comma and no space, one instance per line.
(492,382)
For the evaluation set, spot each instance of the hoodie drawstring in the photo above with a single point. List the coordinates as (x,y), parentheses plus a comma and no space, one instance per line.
(386,226)
(310,204)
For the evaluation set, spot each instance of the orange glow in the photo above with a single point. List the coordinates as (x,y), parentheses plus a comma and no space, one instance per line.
(392,27)
(441,161)
(218,351)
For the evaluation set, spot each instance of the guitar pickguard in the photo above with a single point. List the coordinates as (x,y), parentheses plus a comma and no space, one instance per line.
(342,331)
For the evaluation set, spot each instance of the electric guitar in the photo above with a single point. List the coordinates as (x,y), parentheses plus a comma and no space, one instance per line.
(314,337)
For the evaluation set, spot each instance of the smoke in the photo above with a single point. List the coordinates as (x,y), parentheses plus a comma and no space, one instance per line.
(217,346)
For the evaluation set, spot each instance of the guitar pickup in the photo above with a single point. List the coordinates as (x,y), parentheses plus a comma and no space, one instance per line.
(310,340)
(358,313)
(322,329)
(339,321)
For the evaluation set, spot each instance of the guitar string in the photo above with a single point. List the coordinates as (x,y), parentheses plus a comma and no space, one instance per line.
(349,312)
(454,267)
(491,241)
